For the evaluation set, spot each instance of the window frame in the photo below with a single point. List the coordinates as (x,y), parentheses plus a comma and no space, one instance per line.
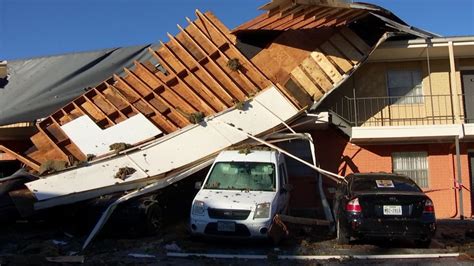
(406,171)
(402,100)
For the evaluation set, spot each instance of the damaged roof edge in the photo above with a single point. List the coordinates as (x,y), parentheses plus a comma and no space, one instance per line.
(323,3)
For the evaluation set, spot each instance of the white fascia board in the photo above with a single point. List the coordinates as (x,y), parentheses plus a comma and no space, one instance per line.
(266,111)
(469,131)
(394,133)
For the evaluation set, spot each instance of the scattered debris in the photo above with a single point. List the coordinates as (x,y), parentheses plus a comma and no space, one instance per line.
(119,146)
(52,166)
(234,64)
(59,242)
(90,157)
(138,255)
(124,172)
(469,233)
(245,150)
(196,117)
(240,105)
(66,259)
(278,230)
(173,247)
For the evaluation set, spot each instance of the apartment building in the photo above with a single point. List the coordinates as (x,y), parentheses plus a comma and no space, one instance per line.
(409,110)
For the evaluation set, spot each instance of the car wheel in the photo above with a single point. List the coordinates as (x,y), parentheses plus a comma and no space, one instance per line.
(154,218)
(423,243)
(341,234)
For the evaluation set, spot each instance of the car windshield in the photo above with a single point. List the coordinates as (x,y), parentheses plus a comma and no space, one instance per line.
(383,183)
(252,176)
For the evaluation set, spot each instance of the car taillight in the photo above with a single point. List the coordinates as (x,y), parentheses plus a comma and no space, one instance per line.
(353,206)
(429,207)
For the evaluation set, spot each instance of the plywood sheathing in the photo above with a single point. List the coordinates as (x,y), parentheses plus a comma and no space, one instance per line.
(196,79)
(330,63)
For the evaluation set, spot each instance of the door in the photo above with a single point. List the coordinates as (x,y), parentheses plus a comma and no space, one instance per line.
(471,173)
(468,91)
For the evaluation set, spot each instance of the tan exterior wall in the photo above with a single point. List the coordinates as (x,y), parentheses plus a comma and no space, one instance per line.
(438,107)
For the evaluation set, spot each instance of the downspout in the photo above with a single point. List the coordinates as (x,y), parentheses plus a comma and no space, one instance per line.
(428,43)
(459,181)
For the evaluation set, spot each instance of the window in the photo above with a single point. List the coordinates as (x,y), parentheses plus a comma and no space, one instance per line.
(412,164)
(252,176)
(404,86)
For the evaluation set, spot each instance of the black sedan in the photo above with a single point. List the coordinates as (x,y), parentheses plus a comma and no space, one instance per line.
(381,205)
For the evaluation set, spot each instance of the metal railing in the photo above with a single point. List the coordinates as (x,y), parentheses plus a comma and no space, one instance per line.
(401,111)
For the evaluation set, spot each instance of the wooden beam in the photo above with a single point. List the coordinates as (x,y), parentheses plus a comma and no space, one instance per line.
(357,41)
(334,55)
(84,96)
(225,95)
(297,18)
(21,158)
(180,101)
(231,45)
(175,115)
(56,147)
(306,83)
(76,152)
(249,80)
(198,102)
(326,65)
(214,98)
(346,48)
(311,67)
(113,106)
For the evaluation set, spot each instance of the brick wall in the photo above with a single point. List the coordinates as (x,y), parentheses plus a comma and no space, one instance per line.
(335,153)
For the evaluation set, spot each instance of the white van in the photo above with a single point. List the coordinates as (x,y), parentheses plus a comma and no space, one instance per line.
(241,194)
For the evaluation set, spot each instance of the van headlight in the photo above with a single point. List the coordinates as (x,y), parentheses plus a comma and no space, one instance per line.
(262,210)
(198,207)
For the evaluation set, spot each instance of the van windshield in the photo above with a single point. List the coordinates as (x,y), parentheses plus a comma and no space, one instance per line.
(252,176)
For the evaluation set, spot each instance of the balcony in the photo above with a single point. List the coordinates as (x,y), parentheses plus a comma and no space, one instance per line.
(401,111)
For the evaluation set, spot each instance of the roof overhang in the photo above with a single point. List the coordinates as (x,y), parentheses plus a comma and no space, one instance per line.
(436,48)
(391,134)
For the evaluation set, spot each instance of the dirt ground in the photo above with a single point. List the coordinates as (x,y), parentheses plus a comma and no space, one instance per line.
(30,243)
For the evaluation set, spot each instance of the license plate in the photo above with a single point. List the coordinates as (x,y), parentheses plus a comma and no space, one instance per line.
(392,210)
(225,227)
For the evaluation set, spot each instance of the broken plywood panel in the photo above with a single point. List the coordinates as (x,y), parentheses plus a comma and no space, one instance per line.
(326,65)
(305,82)
(93,140)
(314,71)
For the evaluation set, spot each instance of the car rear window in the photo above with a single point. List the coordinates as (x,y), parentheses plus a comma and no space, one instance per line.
(383,183)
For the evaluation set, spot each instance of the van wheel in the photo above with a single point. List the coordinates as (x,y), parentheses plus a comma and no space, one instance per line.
(341,234)
(425,243)
(154,218)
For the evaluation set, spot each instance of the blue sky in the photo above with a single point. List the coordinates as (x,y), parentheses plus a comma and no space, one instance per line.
(32,28)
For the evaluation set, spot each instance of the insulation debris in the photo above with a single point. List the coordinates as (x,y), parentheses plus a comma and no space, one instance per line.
(119,146)
(234,64)
(52,166)
(124,172)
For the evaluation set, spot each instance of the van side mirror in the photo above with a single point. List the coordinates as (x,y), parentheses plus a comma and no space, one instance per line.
(198,185)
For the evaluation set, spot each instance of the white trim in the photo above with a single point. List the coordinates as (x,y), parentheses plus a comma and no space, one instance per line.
(316,257)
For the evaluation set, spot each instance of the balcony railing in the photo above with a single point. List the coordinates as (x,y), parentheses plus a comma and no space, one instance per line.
(402,111)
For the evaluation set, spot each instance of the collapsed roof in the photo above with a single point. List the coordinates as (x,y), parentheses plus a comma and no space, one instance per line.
(201,92)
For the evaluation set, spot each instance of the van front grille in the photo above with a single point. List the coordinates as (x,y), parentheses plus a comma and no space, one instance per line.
(226,214)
